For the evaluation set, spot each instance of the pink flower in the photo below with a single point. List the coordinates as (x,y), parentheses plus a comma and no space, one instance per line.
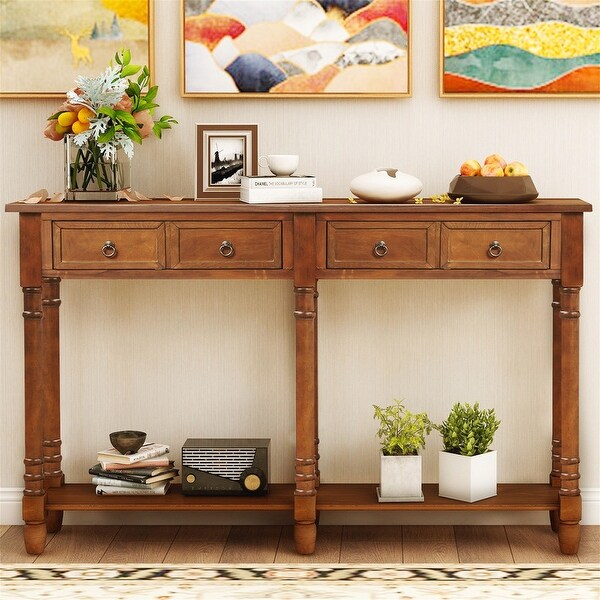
(124,103)
(145,120)
(50,131)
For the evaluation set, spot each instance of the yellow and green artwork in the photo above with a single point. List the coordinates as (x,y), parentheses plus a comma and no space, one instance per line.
(518,47)
(283,48)
(46,44)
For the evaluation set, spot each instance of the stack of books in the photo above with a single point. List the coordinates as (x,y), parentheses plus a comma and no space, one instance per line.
(147,472)
(267,189)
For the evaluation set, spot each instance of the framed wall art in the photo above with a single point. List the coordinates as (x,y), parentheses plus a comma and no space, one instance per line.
(295,48)
(520,48)
(46,44)
(223,154)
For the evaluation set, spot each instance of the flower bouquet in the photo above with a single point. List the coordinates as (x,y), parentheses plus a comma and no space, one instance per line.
(102,118)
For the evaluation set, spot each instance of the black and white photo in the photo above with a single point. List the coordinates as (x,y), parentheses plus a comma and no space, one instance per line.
(224,153)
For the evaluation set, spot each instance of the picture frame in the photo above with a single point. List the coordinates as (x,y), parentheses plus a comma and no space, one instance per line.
(224,152)
(293,49)
(80,37)
(487,50)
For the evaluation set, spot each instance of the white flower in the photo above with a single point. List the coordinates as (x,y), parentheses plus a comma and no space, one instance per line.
(105,90)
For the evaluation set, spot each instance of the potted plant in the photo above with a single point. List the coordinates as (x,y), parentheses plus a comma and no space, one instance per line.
(402,434)
(467,467)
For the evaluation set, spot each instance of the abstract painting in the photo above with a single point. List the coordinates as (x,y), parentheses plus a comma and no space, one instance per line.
(520,47)
(277,48)
(46,44)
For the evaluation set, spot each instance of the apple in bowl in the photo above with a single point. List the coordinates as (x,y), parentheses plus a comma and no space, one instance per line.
(515,169)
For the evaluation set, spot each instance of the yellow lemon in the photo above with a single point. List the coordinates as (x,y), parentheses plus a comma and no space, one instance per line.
(79,127)
(67,118)
(85,115)
(60,129)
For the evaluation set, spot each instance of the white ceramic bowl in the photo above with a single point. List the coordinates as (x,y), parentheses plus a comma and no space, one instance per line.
(385,185)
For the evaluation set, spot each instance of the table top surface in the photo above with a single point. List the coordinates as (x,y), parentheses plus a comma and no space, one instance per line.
(329,205)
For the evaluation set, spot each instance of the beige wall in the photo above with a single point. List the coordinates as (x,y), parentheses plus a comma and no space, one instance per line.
(185,359)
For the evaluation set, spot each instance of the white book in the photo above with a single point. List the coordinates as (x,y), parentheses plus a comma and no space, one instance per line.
(96,480)
(281,195)
(146,451)
(113,490)
(269,181)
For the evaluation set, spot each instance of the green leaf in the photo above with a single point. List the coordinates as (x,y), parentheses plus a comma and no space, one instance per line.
(151,93)
(126,54)
(128,70)
(118,58)
(157,130)
(133,133)
(125,117)
(108,135)
(55,115)
(108,111)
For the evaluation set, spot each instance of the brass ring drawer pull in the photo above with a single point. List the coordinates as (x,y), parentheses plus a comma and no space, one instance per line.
(495,249)
(226,249)
(109,249)
(380,249)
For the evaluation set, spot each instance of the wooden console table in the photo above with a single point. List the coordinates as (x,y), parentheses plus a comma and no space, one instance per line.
(304,243)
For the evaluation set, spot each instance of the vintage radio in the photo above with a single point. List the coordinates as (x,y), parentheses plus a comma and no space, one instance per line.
(225,467)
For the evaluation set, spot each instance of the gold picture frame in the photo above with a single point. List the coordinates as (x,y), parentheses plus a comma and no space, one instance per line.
(488,53)
(224,152)
(46,45)
(222,53)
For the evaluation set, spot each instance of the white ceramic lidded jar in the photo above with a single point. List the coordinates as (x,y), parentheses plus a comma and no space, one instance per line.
(385,185)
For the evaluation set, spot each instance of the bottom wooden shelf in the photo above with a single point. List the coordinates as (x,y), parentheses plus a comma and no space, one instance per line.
(330,497)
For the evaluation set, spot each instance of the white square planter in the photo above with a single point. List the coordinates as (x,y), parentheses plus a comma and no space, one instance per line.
(468,478)
(400,478)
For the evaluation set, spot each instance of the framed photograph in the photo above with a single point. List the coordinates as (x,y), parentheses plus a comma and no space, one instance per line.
(223,154)
(46,44)
(510,48)
(295,48)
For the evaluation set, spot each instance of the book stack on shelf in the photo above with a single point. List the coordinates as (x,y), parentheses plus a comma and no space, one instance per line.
(267,189)
(147,472)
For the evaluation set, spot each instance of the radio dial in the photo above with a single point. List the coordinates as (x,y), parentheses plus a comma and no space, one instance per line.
(190,478)
(253,480)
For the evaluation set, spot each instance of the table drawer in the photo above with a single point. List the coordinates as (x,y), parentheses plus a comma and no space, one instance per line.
(382,245)
(496,245)
(106,245)
(225,245)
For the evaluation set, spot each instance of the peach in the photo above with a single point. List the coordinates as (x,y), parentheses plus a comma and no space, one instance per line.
(515,169)
(495,158)
(492,170)
(470,168)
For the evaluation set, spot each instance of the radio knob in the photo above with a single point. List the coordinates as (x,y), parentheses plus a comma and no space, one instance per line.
(253,480)
(190,478)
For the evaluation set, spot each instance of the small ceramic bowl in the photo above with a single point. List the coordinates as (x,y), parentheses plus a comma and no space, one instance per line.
(127,441)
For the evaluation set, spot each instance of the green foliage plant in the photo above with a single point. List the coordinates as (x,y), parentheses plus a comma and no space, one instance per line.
(401,432)
(468,430)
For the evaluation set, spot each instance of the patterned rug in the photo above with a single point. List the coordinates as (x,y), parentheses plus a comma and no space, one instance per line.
(297,582)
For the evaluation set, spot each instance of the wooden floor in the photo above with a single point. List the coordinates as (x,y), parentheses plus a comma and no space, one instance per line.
(274,544)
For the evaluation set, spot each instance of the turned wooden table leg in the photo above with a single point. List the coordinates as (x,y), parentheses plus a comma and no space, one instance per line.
(567,380)
(53,475)
(305,533)
(556,436)
(316,392)
(305,313)
(569,493)
(31,282)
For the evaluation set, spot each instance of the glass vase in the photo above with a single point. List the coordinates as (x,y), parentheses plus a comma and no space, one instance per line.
(90,176)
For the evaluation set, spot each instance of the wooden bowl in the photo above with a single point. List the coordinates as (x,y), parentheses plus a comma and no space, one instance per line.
(127,441)
(493,189)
